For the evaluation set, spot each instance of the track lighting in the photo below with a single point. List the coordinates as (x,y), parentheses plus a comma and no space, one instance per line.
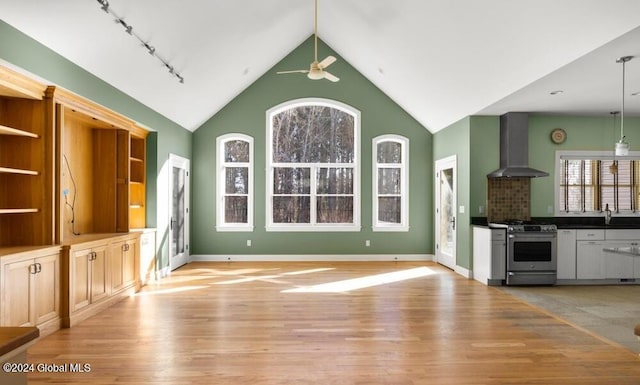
(104,5)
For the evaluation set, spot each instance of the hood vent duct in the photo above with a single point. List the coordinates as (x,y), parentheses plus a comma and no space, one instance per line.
(514,148)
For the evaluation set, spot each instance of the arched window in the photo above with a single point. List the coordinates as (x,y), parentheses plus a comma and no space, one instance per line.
(390,183)
(234,183)
(313,166)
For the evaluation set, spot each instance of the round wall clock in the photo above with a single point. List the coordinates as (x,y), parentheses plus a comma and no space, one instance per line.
(558,135)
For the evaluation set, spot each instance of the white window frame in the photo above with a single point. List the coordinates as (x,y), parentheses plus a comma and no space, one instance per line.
(270,165)
(404,183)
(221,225)
(604,155)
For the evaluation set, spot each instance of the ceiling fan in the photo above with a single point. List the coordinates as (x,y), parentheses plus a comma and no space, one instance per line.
(316,70)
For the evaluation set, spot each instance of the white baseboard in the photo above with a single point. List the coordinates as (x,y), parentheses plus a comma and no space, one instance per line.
(464,272)
(310,257)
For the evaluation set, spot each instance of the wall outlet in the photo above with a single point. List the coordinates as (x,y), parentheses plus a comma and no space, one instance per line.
(248,242)
(480,209)
(367,243)
(549,209)
(461,209)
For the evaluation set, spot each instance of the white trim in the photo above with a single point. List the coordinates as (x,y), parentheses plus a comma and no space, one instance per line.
(404,183)
(441,164)
(313,227)
(220,184)
(185,164)
(463,272)
(310,257)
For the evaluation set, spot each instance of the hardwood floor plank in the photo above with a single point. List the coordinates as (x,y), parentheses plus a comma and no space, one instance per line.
(239,323)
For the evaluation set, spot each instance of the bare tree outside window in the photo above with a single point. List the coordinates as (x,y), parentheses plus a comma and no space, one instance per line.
(235,179)
(313,171)
(390,185)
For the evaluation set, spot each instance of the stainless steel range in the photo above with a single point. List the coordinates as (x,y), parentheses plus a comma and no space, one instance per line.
(531,253)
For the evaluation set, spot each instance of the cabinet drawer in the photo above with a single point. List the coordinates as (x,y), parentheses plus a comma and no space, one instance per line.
(626,234)
(498,235)
(590,235)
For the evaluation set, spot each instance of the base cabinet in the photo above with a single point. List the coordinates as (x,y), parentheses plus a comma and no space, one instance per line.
(590,262)
(31,289)
(100,270)
(87,276)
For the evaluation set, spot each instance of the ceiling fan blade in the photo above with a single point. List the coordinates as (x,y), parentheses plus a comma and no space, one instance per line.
(292,72)
(330,77)
(327,62)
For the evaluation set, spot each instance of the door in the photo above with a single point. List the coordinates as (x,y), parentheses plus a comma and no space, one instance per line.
(178,211)
(446,211)
(46,291)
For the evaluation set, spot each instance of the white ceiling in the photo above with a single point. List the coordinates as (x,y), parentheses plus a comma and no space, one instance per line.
(441,60)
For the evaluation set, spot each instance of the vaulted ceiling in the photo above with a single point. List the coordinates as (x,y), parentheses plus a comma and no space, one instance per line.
(441,60)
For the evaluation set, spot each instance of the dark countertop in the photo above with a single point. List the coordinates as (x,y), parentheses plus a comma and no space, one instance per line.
(12,338)
(578,222)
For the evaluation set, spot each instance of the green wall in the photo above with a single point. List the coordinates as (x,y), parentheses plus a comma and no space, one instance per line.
(169,137)
(583,133)
(246,114)
(455,140)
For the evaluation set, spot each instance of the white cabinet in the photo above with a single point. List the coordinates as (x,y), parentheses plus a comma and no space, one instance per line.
(618,265)
(589,260)
(489,255)
(566,254)
(621,266)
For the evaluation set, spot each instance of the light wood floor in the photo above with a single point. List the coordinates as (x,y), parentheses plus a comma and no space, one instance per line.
(408,323)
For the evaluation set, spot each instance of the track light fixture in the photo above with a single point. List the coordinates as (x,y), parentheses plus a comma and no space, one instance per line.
(104,5)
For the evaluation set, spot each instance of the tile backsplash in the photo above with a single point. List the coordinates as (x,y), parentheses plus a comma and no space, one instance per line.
(508,198)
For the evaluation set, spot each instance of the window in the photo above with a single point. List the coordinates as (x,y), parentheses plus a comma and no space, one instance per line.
(589,181)
(390,183)
(235,183)
(313,167)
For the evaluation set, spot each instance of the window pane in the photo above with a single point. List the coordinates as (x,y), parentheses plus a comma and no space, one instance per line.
(237,180)
(334,181)
(290,180)
(313,134)
(334,210)
(389,209)
(236,151)
(235,209)
(389,181)
(292,209)
(389,152)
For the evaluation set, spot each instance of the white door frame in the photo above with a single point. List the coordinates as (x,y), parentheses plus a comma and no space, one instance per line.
(444,164)
(179,259)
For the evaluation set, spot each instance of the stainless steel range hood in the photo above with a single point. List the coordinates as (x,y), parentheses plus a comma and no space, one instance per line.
(514,148)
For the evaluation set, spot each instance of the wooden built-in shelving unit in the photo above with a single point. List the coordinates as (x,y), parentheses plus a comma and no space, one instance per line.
(72,186)
(26,161)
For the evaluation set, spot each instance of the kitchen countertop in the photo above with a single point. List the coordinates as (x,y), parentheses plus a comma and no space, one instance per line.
(577,222)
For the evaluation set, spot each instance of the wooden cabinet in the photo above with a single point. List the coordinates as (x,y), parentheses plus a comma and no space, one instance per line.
(137,180)
(99,270)
(102,163)
(566,254)
(26,161)
(30,287)
(87,276)
(123,263)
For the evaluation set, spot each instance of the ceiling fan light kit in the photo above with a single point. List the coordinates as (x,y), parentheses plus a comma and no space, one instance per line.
(316,69)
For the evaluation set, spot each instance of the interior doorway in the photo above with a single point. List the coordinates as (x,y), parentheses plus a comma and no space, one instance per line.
(178,211)
(445,221)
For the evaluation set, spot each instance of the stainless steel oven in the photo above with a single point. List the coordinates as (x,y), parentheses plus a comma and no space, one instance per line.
(531,254)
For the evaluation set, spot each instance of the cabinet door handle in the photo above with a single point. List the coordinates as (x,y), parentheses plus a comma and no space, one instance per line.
(38,267)
(33,268)
(125,247)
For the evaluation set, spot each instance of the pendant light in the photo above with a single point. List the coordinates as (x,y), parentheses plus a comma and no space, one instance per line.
(622,147)
(614,165)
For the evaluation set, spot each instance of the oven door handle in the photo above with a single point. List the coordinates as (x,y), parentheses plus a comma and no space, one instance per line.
(513,273)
